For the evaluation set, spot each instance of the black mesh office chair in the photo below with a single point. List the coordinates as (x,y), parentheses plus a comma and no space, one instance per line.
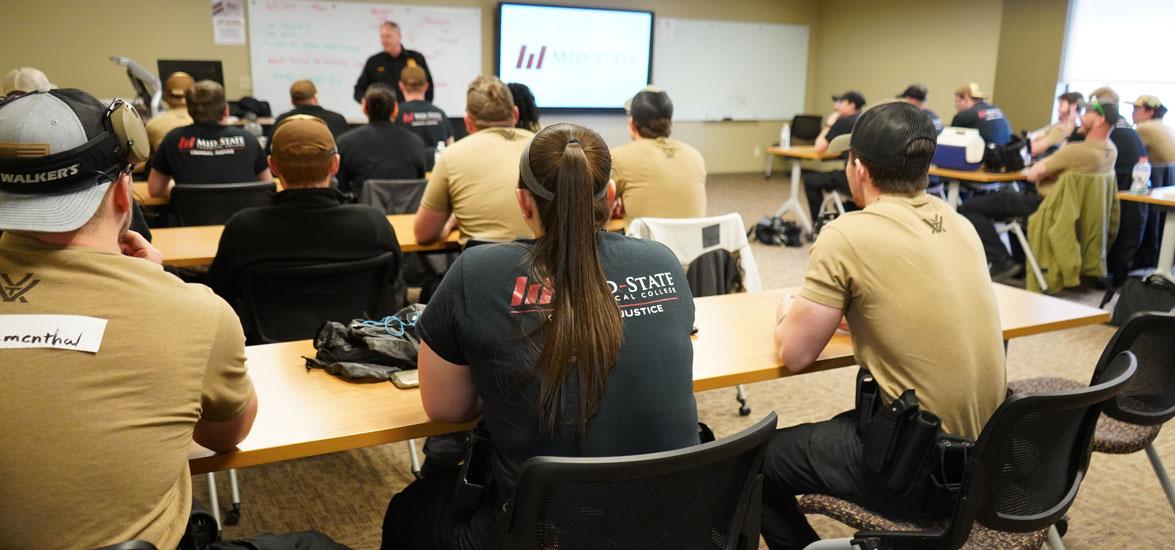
(215,203)
(424,270)
(393,196)
(1021,476)
(284,301)
(1131,422)
(706,496)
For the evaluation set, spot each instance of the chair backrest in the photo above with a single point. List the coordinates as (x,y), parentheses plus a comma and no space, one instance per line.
(806,127)
(691,238)
(1030,459)
(393,196)
(840,144)
(215,203)
(705,496)
(289,300)
(1149,397)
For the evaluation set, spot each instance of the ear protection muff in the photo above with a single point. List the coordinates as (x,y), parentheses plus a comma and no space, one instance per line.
(123,121)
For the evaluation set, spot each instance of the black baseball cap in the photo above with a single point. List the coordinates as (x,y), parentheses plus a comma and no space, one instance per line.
(883,135)
(851,96)
(914,91)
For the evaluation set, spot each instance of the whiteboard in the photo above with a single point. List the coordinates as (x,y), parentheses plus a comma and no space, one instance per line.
(328,43)
(717,70)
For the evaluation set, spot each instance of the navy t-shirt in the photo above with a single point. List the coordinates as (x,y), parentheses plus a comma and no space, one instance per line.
(488,304)
(993,126)
(842,126)
(210,153)
(425,120)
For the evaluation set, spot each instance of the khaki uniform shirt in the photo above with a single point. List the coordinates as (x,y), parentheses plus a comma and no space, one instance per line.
(164,122)
(96,444)
(1054,134)
(475,179)
(911,277)
(1159,141)
(660,178)
(1092,156)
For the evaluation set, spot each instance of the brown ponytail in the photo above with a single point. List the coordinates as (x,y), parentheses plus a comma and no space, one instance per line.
(571,165)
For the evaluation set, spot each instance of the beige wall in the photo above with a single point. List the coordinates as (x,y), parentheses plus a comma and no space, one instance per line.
(1032,37)
(879,47)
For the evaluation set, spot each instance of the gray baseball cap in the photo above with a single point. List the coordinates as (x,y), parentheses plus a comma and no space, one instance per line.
(55,160)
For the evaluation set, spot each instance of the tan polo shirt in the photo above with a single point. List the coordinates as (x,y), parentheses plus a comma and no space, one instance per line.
(1092,156)
(1159,141)
(660,178)
(96,444)
(911,277)
(164,122)
(475,179)
(1054,134)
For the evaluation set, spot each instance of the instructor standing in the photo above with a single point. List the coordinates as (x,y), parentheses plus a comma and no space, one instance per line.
(384,67)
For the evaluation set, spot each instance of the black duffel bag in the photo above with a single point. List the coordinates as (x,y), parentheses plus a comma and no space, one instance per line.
(1154,293)
(1005,158)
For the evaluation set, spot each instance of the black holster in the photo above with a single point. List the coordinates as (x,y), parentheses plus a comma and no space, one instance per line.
(903,443)
(475,473)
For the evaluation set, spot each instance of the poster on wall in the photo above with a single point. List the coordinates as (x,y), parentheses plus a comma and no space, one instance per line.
(228,22)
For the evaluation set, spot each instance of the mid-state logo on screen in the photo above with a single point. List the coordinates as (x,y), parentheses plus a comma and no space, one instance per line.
(530,61)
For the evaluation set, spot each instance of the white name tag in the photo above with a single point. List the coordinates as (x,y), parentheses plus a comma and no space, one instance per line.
(72,332)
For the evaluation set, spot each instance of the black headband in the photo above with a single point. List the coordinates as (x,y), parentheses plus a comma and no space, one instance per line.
(63,172)
(532,183)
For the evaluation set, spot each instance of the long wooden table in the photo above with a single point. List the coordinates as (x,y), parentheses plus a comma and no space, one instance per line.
(796,153)
(196,245)
(1163,197)
(954,177)
(308,413)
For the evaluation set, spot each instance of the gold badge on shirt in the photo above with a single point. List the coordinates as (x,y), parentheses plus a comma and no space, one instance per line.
(379,69)
(411,62)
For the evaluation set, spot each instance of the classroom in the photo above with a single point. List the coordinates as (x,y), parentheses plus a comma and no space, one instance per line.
(465,274)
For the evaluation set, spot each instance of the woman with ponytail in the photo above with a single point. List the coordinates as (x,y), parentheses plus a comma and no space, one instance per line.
(573,344)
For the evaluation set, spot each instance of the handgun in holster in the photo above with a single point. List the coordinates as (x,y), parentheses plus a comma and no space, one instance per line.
(475,474)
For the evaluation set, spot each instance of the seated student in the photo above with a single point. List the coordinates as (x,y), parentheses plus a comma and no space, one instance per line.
(309,220)
(916,94)
(418,114)
(175,88)
(207,151)
(98,423)
(475,178)
(657,176)
(1160,146)
(1095,155)
(1132,216)
(25,80)
(847,107)
(304,98)
(1046,140)
(903,267)
(528,109)
(975,112)
(634,370)
(381,149)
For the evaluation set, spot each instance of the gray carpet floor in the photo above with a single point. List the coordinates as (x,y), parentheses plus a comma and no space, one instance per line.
(1120,505)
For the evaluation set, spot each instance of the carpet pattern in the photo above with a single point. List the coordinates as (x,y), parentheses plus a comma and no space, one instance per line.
(1121,504)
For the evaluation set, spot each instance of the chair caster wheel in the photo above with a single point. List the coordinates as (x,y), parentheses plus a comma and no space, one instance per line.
(744,411)
(233,516)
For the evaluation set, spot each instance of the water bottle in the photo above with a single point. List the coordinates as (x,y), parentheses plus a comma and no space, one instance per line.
(785,136)
(437,156)
(1141,177)
(254,127)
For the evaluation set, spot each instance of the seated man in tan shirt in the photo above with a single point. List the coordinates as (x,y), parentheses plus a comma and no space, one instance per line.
(903,267)
(1095,155)
(1070,105)
(120,365)
(656,176)
(174,90)
(475,179)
